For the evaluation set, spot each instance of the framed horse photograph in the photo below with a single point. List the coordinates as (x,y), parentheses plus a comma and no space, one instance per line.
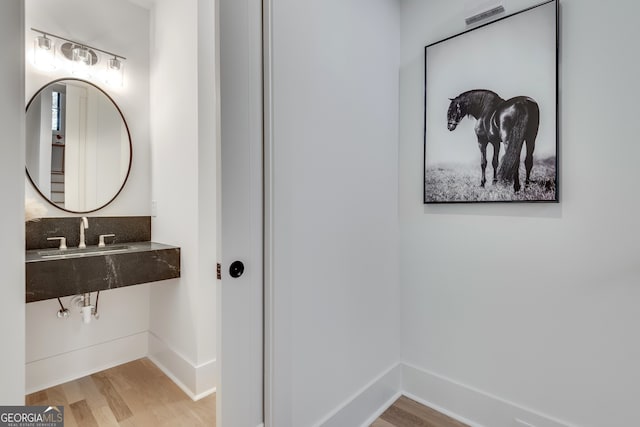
(491,111)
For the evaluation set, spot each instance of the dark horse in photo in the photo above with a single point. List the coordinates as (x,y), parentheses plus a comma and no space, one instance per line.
(511,122)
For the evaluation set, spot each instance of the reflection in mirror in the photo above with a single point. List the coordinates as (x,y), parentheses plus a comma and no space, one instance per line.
(78,146)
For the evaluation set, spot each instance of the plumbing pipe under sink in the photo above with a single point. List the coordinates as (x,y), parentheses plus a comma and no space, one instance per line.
(87,310)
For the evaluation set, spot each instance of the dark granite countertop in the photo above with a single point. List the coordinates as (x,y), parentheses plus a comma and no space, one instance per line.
(75,272)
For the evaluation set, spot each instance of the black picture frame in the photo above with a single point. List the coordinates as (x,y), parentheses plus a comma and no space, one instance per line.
(484,85)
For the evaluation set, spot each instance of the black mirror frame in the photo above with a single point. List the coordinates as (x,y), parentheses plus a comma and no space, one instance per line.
(126,125)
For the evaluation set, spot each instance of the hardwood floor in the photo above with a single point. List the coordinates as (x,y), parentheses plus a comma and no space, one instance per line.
(409,413)
(136,394)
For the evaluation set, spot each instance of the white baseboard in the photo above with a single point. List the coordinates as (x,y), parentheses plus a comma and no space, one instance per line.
(381,409)
(461,402)
(62,368)
(374,398)
(467,404)
(197,381)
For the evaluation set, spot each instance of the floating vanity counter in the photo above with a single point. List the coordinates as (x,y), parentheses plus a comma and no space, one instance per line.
(128,258)
(53,273)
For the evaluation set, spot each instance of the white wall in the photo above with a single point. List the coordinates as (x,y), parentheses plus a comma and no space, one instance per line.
(208,177)
(54,346)
(531,304)
(59,350)
(121,27)
(184,188)
(335,124)
(12,224)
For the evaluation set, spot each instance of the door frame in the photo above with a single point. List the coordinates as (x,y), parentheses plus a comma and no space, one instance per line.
(276,342)
(278,355)
(269,393)
(266,192)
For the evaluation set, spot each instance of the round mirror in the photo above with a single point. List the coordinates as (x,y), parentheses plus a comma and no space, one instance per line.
(78,146)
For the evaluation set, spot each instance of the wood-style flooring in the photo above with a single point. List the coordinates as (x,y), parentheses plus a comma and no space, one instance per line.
(136,394)
(409,413)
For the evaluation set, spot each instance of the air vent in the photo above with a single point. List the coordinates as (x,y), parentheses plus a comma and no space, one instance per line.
(484,15)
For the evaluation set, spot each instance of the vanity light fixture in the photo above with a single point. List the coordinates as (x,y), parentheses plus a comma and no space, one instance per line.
(81,61)
(83,58)
(115,72)
(44,53)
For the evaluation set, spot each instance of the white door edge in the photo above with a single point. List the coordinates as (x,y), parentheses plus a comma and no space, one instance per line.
(268,251)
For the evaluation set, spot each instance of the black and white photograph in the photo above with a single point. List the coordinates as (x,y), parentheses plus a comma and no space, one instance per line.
(491,112)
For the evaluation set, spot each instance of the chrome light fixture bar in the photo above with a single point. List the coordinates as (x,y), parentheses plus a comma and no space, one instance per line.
(496,10)
(82,56)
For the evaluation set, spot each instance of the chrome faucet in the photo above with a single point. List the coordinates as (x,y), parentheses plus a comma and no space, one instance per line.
(84,224)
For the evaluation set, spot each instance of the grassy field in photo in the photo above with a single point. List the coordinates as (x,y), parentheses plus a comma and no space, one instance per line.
(461,183)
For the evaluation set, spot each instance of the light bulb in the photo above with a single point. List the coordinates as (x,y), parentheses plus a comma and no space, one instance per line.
(44,54)
(81,62)
(115,72)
